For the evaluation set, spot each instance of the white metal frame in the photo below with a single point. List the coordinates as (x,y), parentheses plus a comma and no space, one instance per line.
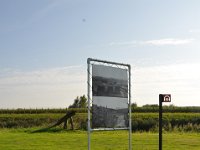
(89,87)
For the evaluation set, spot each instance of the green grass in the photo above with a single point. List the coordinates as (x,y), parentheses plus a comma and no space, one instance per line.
(56,139)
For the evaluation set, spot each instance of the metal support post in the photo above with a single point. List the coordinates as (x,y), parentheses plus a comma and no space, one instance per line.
(88,85)
(160,122)
(130,126)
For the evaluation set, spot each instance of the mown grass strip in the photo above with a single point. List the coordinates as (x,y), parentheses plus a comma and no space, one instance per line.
(23,139)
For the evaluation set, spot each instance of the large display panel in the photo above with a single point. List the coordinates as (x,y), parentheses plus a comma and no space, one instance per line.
(109,97)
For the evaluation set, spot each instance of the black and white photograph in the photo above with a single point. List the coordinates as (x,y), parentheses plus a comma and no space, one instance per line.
(109,118)
(109,87)
(110,97)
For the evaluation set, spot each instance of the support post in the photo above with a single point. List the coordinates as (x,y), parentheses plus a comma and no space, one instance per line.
(65,124)
(72,124)
(130,126)
(88,86)
(160,122)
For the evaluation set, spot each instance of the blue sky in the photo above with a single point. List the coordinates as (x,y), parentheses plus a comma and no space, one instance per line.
(44,46)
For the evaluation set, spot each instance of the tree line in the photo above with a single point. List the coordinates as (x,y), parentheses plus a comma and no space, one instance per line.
(80,106)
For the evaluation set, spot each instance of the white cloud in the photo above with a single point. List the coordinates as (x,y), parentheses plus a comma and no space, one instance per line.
(170,41)
(181,80)
(157,42)
(194,30)
(35,17)
(56,87)
(123,43)
(42,13)
(49,76)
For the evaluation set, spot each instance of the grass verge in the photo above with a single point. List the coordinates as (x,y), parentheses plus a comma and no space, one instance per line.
(57,139)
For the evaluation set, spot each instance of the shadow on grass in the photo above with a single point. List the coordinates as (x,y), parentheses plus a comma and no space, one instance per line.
(49,130)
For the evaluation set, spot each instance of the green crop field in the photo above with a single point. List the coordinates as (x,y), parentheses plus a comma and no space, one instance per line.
(187,122)
(24,139)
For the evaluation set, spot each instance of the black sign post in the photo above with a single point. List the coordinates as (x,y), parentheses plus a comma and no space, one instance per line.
(162,98)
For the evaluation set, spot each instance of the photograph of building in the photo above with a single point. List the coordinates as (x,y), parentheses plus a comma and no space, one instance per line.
(103,117)
(109,87)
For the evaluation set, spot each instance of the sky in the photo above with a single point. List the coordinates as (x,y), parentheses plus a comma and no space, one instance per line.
(44,46)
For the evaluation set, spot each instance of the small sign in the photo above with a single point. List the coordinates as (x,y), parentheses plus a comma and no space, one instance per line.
(165,97)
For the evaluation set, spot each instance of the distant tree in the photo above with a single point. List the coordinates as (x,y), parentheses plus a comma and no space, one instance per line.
(75,104)
(172,105)
(150,105)
(79,102)
(133,105)
(82,102)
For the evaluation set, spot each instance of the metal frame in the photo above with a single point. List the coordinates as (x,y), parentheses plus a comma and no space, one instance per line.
(89,60)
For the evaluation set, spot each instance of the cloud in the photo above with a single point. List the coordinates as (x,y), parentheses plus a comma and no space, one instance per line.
(55,87)
(170,41)
(194,30)
(180,80)
(158,42)
(123,43)
(35,17)
(42,13)
(43,77)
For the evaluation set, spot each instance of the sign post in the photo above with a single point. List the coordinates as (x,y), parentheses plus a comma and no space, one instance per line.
(109,97)
(162,98)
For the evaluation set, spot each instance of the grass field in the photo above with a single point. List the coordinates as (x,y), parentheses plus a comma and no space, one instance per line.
(24,139)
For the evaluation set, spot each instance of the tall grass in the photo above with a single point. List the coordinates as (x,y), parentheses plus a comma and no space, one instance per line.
(140,121)
(143,109)
(40,111)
